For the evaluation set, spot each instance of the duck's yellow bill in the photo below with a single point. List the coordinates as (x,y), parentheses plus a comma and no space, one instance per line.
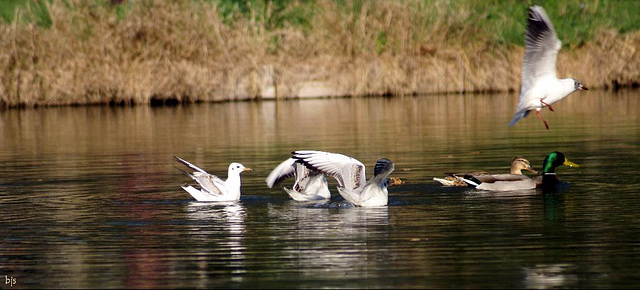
(569,163)
(247,169)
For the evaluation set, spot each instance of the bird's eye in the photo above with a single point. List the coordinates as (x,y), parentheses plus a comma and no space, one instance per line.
(238,166)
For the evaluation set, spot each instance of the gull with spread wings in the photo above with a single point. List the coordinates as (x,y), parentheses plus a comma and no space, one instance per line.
(309,184)
(540,85)
(350,175)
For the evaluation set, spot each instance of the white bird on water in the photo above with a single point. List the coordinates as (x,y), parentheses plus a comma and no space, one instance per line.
(309,184)
(212,188)
(350,174)
(540,84)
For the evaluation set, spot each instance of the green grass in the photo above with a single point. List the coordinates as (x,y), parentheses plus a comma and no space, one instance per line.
(504,21)
(575,21)
(274,14)
(8,9)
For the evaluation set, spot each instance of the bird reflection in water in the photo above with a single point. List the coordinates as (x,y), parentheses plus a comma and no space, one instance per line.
(208,221)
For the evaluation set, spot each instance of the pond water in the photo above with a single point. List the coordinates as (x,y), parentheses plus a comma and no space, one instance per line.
(90,196)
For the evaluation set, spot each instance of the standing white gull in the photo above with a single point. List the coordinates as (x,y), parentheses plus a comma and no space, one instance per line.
(350,174)
(212,188)
(540,84)
(309,184)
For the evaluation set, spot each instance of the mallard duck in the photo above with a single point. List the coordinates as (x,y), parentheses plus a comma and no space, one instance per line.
(549,181)
(212,188)
(517,165)
(507,182)
(350,174)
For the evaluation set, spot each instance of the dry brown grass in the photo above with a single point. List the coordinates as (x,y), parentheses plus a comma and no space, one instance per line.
(177,50)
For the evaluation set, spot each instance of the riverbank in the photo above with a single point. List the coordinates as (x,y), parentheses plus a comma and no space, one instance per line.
(142,53)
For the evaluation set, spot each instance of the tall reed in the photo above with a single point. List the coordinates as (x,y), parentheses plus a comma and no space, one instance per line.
(143,52)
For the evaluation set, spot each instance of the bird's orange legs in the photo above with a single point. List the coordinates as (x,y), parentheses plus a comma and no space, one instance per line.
(540,117)
(545,104)
(538,113)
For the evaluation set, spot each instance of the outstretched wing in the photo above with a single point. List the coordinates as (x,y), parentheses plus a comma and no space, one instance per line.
(281,172)
(207,182)
(196,168)
(541,53)
(541,49)
(383,168)
(349,172)
(304,176)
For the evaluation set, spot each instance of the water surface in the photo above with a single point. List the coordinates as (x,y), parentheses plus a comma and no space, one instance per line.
(90,196)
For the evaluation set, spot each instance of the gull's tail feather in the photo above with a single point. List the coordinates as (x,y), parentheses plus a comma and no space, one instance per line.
(298,196)
(348,195)
(295,195)
(195,193)
(518,116)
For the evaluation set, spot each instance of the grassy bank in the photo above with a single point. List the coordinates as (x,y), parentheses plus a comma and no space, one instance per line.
(86,52)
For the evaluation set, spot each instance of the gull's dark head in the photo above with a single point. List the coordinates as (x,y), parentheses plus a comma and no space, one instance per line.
(578,85)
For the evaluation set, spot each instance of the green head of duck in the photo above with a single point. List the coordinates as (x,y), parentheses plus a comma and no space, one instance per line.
(550,182)
(555,159)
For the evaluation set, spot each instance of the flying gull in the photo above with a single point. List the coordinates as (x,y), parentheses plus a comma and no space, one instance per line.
(540,85)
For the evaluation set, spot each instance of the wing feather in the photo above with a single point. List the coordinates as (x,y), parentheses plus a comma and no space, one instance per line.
(281,172)
(185,162)
(383,168)
(207,182)
(349,172)
(304,176)
(541,49)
